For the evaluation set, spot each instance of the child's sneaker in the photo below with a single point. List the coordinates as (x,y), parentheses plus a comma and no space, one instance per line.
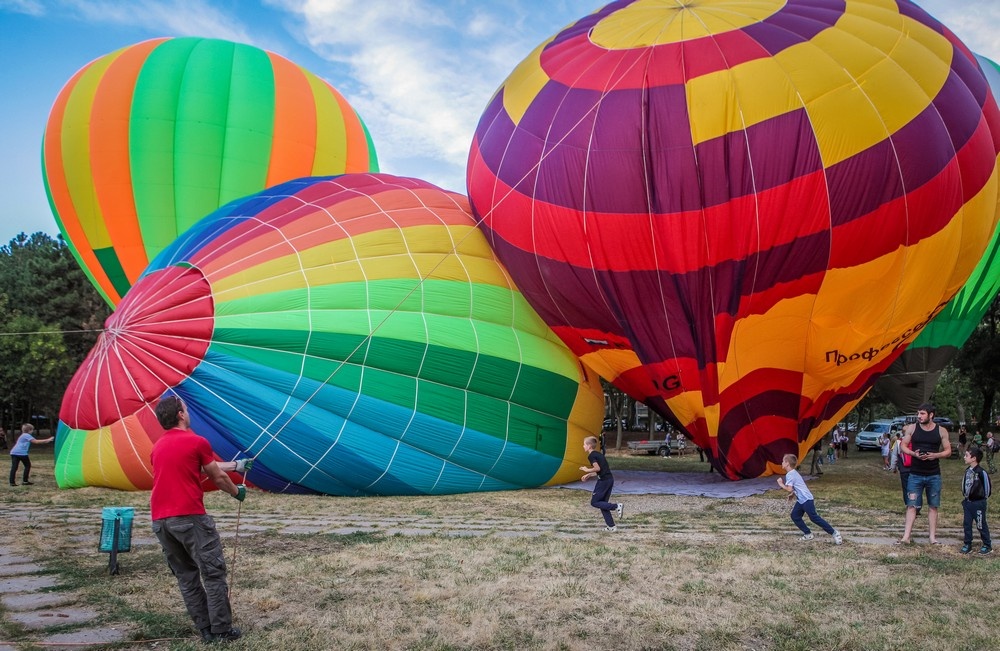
(620,510)
(985,550)
(808,536)
(611,529)
(837,538)
(966,548)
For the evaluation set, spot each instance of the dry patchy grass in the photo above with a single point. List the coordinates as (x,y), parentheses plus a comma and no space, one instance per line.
(685,573)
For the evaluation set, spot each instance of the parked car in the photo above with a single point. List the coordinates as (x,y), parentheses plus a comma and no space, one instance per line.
(868,438)
(944,422)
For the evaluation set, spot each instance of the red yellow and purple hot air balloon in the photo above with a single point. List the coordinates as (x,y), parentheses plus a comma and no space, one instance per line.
(145,141)
(741,210)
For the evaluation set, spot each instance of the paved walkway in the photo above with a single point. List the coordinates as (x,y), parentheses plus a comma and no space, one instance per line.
(29,602)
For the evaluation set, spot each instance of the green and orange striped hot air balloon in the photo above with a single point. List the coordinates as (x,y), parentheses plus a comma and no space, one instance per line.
(145,141)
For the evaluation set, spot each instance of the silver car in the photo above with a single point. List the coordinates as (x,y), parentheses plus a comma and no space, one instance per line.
(868,438)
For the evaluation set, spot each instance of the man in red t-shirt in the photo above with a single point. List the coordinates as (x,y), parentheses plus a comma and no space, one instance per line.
(187,534)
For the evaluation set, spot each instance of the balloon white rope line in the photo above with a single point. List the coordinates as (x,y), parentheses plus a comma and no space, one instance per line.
(47,332)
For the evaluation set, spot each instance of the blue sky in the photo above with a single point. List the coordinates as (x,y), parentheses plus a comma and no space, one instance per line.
(419,72)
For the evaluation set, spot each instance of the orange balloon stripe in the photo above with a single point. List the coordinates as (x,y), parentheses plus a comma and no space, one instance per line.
(62,200)
(110,168)
(293,146)
(133,448)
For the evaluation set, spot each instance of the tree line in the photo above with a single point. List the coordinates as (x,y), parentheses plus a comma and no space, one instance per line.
(51,318)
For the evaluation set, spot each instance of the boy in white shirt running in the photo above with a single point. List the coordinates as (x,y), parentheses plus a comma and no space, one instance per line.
(804,503)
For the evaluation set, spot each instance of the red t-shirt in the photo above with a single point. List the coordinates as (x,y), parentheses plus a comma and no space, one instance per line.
(178,457)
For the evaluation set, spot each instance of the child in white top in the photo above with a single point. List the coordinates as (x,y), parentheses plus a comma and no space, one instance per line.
(804,502)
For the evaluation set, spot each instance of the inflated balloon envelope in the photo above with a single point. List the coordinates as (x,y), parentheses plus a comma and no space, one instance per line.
(741,211)
(147,140)
(355,334)
(913,376)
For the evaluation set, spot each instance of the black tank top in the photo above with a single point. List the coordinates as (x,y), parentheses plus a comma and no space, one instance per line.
(926,441)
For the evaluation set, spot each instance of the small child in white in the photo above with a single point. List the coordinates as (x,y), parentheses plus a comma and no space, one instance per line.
(804,503)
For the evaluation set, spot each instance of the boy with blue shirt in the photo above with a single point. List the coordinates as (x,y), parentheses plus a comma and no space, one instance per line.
(19,453)
(804,501)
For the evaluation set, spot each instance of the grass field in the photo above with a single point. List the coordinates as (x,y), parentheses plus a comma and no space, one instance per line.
(683,573)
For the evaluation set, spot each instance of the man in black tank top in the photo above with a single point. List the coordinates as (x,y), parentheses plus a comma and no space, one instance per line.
(928,442)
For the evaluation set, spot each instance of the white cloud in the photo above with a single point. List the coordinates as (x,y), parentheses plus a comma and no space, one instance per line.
(29,7)
(973,21)
(170,18)
(425,71)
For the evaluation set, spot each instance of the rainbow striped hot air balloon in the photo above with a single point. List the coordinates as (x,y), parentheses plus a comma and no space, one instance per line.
(742,210)
(145,141)
(355,334)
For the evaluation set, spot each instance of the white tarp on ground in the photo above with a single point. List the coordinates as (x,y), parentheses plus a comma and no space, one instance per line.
(708,484)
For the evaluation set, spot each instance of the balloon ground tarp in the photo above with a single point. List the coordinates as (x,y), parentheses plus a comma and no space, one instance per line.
(741,217)
(355,335)
(145,141)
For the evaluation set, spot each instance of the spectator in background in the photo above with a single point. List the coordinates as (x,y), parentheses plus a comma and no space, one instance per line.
(817,459)
(894,452)
(991,447)
(842,440)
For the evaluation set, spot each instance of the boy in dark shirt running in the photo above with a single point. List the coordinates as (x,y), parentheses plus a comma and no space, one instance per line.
(605,482)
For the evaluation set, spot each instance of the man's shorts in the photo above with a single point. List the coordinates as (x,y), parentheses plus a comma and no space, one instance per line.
(917,484)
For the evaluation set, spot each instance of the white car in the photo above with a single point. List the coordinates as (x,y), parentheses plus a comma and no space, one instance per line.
(868,438)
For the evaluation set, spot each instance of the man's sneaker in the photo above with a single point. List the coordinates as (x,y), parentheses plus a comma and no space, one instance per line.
(837,538)
(28,483)
(611,529)
(985,550)
(808,536)
(965,549)
(620,510)
(209,638)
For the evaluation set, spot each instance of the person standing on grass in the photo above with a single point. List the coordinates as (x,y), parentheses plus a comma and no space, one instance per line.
(804,501)
(605,482)
(928,442)
(992,446)
(975,491)
(19,453)
(884,443)
(186,532)
(817,459)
